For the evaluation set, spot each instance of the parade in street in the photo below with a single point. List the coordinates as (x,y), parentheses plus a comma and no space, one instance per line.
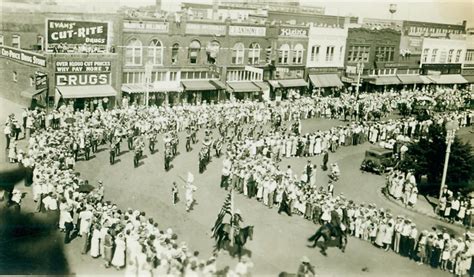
(315,150)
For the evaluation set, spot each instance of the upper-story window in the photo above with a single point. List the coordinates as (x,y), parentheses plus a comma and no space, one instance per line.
(425,55)
(450,56)
(283,54)
(442,56)
(470,55)
(1,40)
(434,53)
(40,42)
(16,41)
(174,53)
(329,53)
(155,52)
(298,54)
(458,55)
(358,53)
(194,51)
(15,76)
(314,55)
(133,52)
(212,50)
(238,53)
(384,54)
(254,53)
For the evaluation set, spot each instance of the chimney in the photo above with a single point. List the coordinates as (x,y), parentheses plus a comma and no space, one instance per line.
(158,5)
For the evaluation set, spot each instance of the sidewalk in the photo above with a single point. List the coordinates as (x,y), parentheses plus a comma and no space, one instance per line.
(8,107)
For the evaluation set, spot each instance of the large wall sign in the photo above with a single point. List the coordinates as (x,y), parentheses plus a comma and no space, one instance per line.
(81,73)
(151,27)
(205,29)
(247,31)
(22,56)
(74,32)
(293,32)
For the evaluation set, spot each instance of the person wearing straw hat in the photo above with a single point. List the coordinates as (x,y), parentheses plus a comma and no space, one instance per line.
(305,268)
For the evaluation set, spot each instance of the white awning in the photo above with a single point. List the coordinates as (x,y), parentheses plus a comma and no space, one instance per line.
(86,91)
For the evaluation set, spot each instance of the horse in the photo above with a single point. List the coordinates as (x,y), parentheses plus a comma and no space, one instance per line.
(326,231)
(222,237)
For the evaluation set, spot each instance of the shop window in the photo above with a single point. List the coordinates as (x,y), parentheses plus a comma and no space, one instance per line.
(283,54)
(32,81)
(450,56)
(469,55)
(238,53)
(298,54)
(193,51)
(133,52)
(1,40)
(358,53)
(329,53)
(155,52)
(16,41)
(254,53)
(384,54)
(173,76)
(458,55)
(212,50)
(314,55)
(15,76)
(174,53)
(341,53)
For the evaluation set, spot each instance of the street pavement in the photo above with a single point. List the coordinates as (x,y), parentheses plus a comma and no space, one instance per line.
(279,241)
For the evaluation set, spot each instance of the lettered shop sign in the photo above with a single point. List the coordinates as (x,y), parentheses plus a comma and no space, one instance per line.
(82,73)
(75,32)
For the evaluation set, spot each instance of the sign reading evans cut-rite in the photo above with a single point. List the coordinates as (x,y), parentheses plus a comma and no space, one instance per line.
(75,32)
(293,32)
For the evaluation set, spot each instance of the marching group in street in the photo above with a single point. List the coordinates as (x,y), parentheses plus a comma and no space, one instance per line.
(256,139)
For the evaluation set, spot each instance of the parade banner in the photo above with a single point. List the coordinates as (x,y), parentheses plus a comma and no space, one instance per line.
(22,56)
(75,32)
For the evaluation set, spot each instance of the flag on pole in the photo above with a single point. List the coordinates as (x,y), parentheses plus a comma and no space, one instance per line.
(226,209)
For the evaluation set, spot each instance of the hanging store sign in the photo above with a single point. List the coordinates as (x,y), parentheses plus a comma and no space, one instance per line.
(153,27)
(205,29)
(293,32)
(81,73)
(22,56)
(74,32)
(247,31)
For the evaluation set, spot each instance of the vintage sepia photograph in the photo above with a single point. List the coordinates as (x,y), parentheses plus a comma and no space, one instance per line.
(237,138)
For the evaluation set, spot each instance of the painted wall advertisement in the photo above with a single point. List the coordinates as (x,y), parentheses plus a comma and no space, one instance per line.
(247,31)
(22,56)
(152,27)
(75,32)
(81,73)
(205,29)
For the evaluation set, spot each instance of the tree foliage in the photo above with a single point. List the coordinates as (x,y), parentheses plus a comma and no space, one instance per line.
(426,157)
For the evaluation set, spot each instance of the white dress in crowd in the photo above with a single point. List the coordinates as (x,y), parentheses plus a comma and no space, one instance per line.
(317,146)
(118,259)
(311,145)
(95,243)
(288,147)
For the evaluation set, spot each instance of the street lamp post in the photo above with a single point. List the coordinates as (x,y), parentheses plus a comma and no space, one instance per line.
(450,135)
(360,69)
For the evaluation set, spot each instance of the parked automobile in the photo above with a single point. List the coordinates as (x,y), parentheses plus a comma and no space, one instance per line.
(378,160)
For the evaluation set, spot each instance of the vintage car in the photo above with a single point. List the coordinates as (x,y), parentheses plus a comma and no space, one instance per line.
(378,160)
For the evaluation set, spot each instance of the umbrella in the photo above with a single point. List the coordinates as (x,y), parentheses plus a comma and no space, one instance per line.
(85,188)
(70,120)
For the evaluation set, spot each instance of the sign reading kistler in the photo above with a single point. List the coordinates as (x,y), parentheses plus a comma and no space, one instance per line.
(75,33)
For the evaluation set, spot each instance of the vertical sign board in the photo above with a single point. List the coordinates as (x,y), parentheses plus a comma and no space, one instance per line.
(76,33)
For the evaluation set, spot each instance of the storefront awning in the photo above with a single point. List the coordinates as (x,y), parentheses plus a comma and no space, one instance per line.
(133,88)
(410,79)
(218,84)
(448,79)
(246,86)
(291,83)
(426,80)
(165,86)
(262,85)
(86,91)
(30,93)
(469,78)
(274,84)
(385,80)
(325,80)
(198,85)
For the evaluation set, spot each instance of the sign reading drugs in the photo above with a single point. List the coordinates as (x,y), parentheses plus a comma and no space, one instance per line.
(82,79)
(74,32)
(82,73)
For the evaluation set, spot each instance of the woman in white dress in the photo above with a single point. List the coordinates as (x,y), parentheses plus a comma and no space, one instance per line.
(311,145)
(294,146)
(317,146)
(95,241)
(118,259)
(288,147)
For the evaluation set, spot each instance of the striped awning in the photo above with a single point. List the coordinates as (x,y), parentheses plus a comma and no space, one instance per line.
(262,85)
(134,88)
(325,80)
(426,80)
